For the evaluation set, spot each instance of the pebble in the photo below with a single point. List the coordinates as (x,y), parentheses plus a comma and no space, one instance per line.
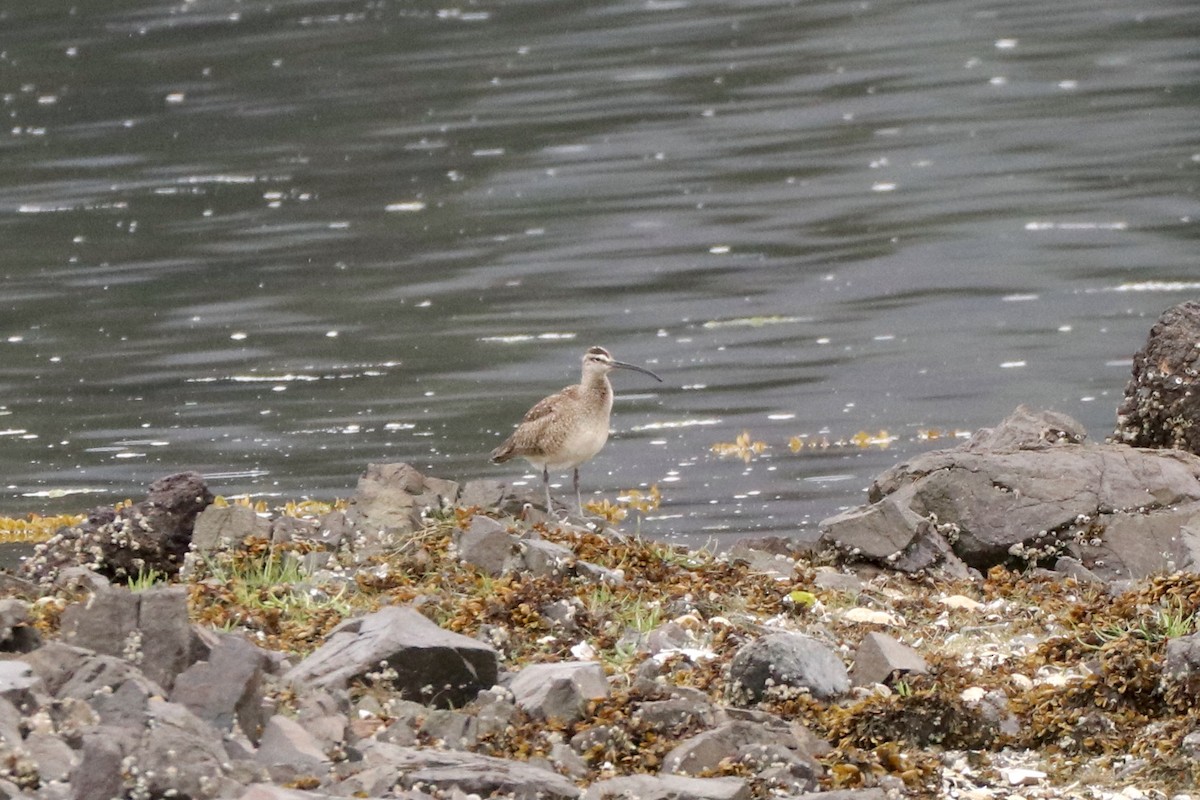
(961,601)
(874,617)
(973,694)
(1019,776)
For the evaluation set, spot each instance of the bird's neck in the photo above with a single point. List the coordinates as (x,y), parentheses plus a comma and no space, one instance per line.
(597,390)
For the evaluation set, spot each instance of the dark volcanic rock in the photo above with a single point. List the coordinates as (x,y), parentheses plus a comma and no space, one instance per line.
(152,535)
(1161,407)
(1029,491)
(401,647)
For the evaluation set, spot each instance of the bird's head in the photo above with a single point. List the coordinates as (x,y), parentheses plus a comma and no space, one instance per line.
(599,361)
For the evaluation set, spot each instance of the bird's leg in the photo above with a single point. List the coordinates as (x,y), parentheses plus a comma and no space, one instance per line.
(578,496)
(546,483)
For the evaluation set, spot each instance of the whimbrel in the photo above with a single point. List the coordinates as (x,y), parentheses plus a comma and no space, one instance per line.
(570,427)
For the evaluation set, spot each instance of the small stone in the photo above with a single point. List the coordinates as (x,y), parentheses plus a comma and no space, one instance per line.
(1020,776)
(1022,682)
(959,601)
(873,616)
(838,582)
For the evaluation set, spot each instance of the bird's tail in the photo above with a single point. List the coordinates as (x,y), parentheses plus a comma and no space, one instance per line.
(502,453)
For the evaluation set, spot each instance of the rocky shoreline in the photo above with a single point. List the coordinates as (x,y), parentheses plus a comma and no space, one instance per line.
(1012,618)
(413,645)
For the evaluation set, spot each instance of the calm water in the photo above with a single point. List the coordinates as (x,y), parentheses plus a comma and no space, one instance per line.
(276,241)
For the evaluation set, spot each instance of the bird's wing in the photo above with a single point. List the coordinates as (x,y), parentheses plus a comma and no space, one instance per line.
(548,405)
(529,439)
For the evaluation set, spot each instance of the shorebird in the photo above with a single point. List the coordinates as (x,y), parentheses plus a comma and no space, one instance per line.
(570,427)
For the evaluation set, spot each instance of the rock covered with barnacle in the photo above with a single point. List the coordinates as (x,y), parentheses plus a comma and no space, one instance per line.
(1161,407)
(122,543)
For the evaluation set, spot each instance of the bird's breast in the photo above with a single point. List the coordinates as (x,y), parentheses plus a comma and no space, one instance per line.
(580,444)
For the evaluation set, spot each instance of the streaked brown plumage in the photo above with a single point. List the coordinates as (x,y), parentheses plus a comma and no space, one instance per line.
(568,428)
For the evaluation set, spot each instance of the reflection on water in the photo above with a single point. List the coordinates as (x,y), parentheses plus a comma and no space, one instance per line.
(278,241)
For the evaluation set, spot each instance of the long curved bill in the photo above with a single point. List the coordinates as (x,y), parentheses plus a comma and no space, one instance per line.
(636,368)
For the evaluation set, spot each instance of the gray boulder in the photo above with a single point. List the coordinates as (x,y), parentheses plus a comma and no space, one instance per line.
(400,647)
(1030,491)
(881,657)
(288,745)
(492,495)
(845,794)
(222,528)
(393,496)
(10,724)
(668,787)
(1181,671)
(453,730)
(54,757)
(226,686)
(559,691)
(670,717)
(97,774)
(17,635)
(486,545)
(767,750)
(269,791)
(180,755)
(482,775)
(1161,407)
(150,629)
(779,662)
(18,683)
